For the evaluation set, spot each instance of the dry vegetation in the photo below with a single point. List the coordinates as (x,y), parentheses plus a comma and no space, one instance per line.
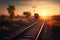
(6,22)
(54,23)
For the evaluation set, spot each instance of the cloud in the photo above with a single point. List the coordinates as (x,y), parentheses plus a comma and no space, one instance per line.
(48,0)
(18,1)
(26,2)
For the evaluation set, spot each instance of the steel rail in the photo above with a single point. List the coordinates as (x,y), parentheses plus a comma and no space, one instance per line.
(19,32)
(39,31)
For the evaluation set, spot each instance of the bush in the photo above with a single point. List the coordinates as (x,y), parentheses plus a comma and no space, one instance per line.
(5,23)
(20,22)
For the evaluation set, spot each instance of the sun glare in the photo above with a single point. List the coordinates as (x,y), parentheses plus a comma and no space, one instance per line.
(44,14)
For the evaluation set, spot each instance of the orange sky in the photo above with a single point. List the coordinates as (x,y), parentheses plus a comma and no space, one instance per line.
(42,8)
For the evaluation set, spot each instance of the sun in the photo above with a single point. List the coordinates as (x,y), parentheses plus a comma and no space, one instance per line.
(44,14)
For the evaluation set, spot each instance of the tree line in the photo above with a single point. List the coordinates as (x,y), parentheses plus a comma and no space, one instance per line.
(11,9)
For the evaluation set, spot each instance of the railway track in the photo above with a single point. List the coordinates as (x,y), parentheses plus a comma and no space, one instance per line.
(32,32)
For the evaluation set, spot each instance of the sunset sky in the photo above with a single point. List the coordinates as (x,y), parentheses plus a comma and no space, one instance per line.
(42,7)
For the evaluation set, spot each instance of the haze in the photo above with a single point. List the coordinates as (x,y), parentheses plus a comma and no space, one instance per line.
(43,7)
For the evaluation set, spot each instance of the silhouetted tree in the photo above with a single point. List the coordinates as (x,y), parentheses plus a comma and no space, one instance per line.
(2,20)
(2,17)
(11,10)
(36,15)
(56,17)
(28,14)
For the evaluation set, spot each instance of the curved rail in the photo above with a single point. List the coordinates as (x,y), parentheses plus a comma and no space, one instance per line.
(19,32)
(39,32)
